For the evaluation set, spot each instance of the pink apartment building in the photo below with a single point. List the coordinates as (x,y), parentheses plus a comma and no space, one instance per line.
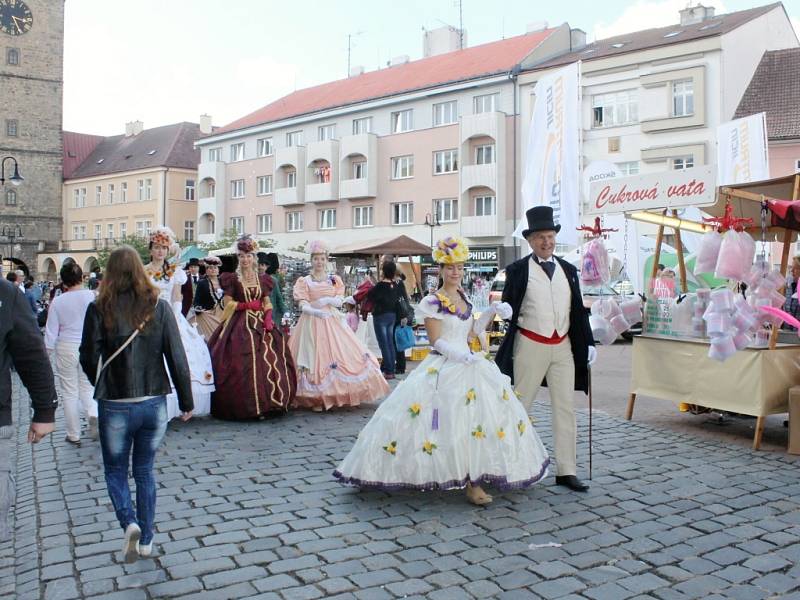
(378,154)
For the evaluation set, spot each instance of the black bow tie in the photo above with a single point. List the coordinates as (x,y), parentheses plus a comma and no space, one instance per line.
(549,267)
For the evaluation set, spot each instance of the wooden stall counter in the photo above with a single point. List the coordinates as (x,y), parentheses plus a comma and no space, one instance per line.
(754,381)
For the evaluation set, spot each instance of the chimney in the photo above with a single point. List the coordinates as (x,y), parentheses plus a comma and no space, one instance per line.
(205,124)
(442,40)
(133,128)
(399,60)
(577,39)
(356,70)
(536,26)
(696,14)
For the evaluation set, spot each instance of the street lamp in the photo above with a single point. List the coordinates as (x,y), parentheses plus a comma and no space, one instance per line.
(432,221)
(11,232)
(16,178)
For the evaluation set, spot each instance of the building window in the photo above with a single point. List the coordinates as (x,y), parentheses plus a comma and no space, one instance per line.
(111,193)
(264,147)
(484,155)
(486,103)
(237,224)
(11,127)
(679,163)
(327,218)
(629,168)
(79,232)
(188,190)
(613,109)
(98,231)
(682,98)
(362,125)
(264,223)
(402,167)
(264,183)
(123,230)
(212,190)
(797,165)
(294,221)
(237,188)
(110,231)
(79,197)
(402,120)
(362,216)
(446,210)
(445,113)
(291,179)
(123,190)
(445,161)
(237,152)
(294,138)
(11,198)
(485,206)
(12,57)
(360,169)
(403,213)
(214,154)
(188,231)
(326,132)
(140,190)
(143,228)
(98,194)
(148,189)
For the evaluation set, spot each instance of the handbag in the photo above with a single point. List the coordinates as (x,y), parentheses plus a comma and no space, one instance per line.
(102,365)
(403,338)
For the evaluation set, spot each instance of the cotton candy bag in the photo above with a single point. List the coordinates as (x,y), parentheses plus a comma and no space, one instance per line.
(709,253)
(736,254)
(595,266)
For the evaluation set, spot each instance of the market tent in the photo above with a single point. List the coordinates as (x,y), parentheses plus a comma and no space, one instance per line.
(400,246)
(191,252)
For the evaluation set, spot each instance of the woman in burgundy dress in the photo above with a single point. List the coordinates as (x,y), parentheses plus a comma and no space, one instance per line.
(253,369)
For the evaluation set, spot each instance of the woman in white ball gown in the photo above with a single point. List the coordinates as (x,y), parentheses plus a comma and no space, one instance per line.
(168,278)
(455,422)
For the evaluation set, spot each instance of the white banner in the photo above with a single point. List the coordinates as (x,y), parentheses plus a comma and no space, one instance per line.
(742,150)
(667,189)
(552,157)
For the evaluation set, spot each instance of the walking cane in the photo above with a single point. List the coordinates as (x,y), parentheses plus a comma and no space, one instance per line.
(590,423)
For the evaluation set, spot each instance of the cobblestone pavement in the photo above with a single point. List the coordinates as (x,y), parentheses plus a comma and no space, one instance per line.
(250,510)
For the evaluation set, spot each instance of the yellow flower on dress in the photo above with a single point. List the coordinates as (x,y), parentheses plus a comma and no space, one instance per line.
(432,371)
(518,395)
(501,434)
(415,409)
(477,433)
(391,447)
(471,395)
(531,419)
(521,427)
(428,447)
(505,394)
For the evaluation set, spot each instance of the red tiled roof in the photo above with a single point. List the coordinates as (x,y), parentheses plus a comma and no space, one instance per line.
(461,65)
(77,147)
(775,89)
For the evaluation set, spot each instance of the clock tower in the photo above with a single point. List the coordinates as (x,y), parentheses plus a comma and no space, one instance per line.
(31,88)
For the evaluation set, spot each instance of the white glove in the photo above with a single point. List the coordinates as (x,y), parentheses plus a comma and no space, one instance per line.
(315,312)
(592,355)
(335,301)
(219,292)
(504,310)
(456,354)
(487,316)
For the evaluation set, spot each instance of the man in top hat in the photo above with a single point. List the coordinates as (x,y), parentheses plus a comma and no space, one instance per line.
(188,289)
(548,341)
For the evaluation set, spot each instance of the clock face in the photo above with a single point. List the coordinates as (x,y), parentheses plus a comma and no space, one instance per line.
(15,17)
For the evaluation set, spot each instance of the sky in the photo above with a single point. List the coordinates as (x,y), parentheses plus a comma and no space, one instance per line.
(165,61)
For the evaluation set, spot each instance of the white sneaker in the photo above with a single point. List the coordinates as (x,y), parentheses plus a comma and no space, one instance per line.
(132,535)
(145,549)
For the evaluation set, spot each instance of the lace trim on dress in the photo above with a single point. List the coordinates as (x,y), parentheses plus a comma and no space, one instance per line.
(304,385)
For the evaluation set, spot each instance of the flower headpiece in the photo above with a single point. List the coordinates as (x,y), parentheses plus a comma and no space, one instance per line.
(451,250)
(164,236)
(318,247)
(247,244)
(212,261)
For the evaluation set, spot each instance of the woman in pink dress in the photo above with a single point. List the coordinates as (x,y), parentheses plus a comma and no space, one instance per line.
(333,367)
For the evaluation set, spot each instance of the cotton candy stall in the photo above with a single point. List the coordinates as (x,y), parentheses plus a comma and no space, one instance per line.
(610,318)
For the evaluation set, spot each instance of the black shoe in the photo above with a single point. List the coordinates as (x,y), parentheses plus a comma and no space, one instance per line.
(572,483)
(76,443)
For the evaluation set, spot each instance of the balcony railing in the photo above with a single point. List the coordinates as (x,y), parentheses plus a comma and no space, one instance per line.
(321,192)
(481,226)
(288,196)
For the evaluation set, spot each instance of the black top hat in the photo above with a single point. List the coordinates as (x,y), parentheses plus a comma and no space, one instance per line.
(193,262)
(262,258)
(540,218)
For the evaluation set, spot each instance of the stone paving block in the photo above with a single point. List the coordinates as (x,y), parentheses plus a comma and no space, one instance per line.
(700,587)
(233,576)
(641,584)
(376,578)
(307,592)
(126,595)
(777,583)
(553,569)
(450,593)
(766,563)
(61,589)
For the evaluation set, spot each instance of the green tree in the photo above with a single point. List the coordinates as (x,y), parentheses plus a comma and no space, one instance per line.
(228,239)
(139,243)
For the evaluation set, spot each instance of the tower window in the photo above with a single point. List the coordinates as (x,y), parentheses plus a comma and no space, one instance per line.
(12,56)
(11,127)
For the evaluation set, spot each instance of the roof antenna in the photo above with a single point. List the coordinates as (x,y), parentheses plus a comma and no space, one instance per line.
(350,37)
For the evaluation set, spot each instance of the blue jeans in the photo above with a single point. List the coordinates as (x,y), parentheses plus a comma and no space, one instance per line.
(384,331)
(140,425)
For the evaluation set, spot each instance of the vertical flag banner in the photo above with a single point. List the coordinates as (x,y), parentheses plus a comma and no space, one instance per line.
(742,150)
(552,156)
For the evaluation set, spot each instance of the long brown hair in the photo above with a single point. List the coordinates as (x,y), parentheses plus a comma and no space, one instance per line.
(127,294)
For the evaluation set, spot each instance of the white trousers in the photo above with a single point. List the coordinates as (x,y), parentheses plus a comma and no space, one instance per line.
(532,363)
(74,388)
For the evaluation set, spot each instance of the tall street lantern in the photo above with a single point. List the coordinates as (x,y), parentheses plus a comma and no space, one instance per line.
(16,178)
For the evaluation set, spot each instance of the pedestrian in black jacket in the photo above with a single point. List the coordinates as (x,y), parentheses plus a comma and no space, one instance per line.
(21,344)
(128,334)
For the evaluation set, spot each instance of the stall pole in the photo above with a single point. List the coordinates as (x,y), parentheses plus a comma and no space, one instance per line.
(657,255)
(681,261)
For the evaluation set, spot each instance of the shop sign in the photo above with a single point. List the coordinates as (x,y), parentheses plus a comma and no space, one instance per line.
(667,189)
(483,255)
